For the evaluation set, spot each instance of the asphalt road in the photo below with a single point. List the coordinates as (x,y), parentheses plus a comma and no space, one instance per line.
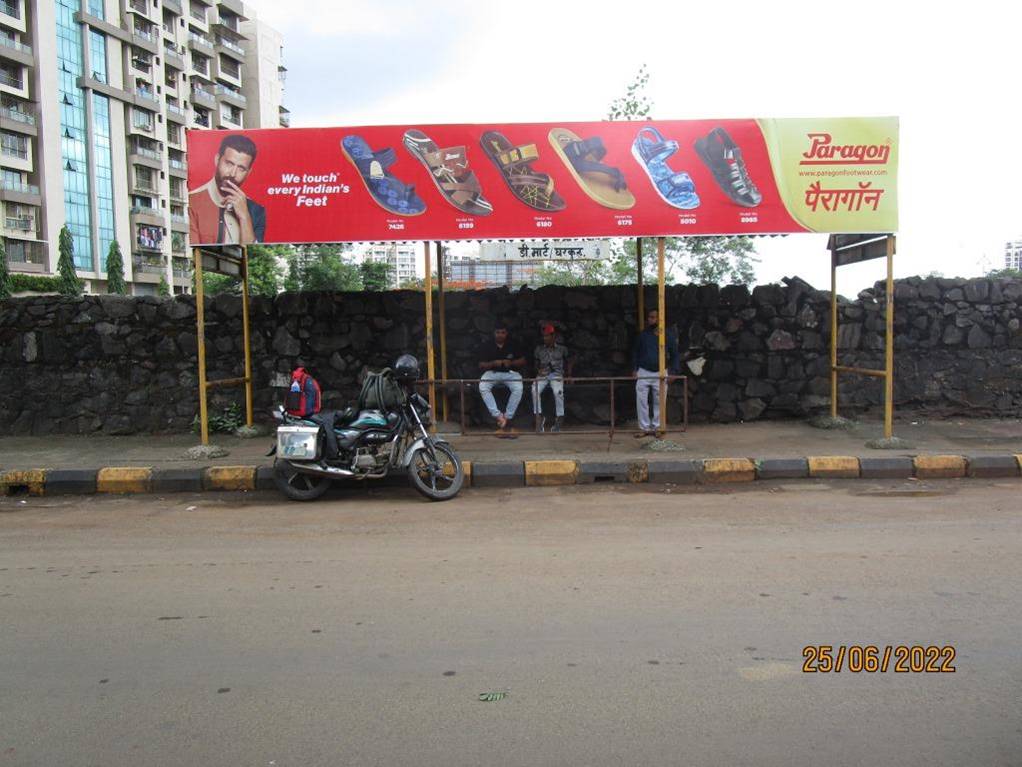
(629,626)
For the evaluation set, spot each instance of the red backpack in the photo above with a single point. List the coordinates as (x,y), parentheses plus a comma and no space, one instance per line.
(304,398)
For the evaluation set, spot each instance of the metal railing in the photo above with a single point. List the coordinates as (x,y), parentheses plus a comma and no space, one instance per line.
(145,93)
(202,94)
(200,40)
(220,40)
(225,90)
(143,152)
(14,186)
(148,267)
(139,32)
(14,44)
(11,81)
(20,223)
(175,110)
(17,115)
(146,210)
(178,164)
(460,386)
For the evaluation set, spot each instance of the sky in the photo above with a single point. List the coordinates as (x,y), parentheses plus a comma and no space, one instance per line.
(950,72)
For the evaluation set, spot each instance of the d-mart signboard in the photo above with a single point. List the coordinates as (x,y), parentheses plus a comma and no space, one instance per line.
(543,180)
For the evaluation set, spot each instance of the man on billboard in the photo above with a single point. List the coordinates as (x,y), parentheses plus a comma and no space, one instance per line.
(219,213)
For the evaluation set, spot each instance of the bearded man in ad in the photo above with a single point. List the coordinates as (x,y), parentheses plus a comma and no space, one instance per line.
(219,213)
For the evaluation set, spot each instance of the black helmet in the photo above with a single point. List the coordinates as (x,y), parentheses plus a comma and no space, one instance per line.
(406,368)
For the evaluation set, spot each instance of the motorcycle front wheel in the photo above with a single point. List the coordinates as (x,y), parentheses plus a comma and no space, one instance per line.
(296,485)
(438,476)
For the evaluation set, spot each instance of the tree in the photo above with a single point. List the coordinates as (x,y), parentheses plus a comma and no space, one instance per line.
(995,273)
(115,270)
(265,273)
(321,267)
(70,285)
(414,283)
(700,259)
(5,275)
(375,275)
(163,289)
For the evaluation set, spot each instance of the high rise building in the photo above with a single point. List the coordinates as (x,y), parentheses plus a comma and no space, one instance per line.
(95,99)
(1013,255)
(403,258)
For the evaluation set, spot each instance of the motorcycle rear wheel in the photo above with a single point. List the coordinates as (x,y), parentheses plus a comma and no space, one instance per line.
(296,485)
(440,479)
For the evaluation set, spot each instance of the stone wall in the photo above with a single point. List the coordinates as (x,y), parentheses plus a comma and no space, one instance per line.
(122,365)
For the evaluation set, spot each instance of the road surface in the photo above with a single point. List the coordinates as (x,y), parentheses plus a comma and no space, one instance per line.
(627,625)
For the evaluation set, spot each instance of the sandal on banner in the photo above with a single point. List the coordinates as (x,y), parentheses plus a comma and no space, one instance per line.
(603,184)
(389,193)
(651,150)
(451,174)
(531,187)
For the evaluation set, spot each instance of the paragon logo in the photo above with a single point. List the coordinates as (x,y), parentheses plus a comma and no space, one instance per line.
(823,152)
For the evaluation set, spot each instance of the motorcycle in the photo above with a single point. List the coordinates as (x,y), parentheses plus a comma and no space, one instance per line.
(371,444)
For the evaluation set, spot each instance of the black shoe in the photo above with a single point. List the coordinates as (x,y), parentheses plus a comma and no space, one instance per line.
(557,424)
(724,159)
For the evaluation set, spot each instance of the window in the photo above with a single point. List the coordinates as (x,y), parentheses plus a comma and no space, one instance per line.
(144,178)
(142,119)
(149,237)
(14,145)
(230,67)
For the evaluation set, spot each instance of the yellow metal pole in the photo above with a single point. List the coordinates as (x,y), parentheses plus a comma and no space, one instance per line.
(430,366)
(246,331)
(662,332)
(833,334)
(440,266)
(889,366)
(200,329)
(640,287)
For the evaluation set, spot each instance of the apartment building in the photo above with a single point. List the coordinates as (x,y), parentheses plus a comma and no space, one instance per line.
(95,100)
(1013,255)
(403,258)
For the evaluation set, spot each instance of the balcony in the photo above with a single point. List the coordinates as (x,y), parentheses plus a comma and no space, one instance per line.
(285,117)
(200,42)
(233,47)
(176,113)
(25,256)
(178,164)
(18,188)
(174,6)
(179,223)
(173,55)
(143,34)
(148,215)
(201,119)
(147,95)
(144,186)
(12,81)
(202,96)
(177,194)
(231,94)
(141,151)
(197,15)
(149,265)
(14,45)
(17,115)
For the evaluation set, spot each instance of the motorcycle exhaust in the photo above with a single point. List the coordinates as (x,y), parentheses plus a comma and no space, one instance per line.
(323,471)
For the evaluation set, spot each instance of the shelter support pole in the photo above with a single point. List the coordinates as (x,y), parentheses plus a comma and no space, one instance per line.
(889,350)
(833,334)
(430,366)
(661,331)
(246,331)
(200,329)
(641,295)
(440,267)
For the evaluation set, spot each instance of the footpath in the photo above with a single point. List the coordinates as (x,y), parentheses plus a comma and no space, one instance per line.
(706,453)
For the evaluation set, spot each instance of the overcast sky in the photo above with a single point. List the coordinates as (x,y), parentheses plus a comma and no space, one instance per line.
(949,71)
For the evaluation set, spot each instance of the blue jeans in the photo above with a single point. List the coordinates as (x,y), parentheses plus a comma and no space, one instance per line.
(508,378)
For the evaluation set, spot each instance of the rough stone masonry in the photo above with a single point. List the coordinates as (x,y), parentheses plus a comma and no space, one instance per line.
(122,365)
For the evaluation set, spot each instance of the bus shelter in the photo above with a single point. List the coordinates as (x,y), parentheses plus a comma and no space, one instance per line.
(647,180)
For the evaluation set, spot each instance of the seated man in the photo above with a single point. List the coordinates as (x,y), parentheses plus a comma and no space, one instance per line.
(501,360)
(551,360)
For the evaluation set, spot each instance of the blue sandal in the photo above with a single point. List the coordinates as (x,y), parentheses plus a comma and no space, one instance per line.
(652,150)
(389,193)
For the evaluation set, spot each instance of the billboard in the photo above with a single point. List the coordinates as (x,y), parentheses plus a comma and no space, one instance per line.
(543,180)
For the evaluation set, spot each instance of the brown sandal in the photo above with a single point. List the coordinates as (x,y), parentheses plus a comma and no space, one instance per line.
(450,173)
(534,189)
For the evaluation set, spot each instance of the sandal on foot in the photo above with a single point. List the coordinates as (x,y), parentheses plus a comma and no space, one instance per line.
(451,174)
(534,189)
(603,184)
(651,150)
(724,159)
(389,193)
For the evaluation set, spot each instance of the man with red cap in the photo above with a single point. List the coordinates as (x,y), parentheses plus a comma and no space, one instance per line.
(551,361)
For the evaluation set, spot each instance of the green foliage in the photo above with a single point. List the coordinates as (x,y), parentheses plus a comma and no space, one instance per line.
(415,283)
(265,273)
(163,289)
(69,285)
(115,270)
(34,283)
(634,105)
(229,420)
(5,275)
(321,267)
(995,273)
(375,275)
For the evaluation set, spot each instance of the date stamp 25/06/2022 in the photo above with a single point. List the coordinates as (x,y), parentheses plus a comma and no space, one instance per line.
(871,659)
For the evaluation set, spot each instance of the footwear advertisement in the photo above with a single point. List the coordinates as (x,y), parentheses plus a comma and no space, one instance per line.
(557,180)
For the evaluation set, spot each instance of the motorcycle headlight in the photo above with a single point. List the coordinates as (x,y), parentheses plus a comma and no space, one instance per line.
(300,443)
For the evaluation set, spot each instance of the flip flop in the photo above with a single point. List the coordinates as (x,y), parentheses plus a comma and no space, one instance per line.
(651,150)
(389,193)
(531,187)
(450,172)
(603,184)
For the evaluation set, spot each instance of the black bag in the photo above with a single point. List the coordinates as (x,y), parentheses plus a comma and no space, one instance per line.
(381,391)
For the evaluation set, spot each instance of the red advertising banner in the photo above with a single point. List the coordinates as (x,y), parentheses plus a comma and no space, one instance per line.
(542,180)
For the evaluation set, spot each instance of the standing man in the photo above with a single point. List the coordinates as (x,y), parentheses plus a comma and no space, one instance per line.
(551,360)
(645,369)
(501,360)
(219,213)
